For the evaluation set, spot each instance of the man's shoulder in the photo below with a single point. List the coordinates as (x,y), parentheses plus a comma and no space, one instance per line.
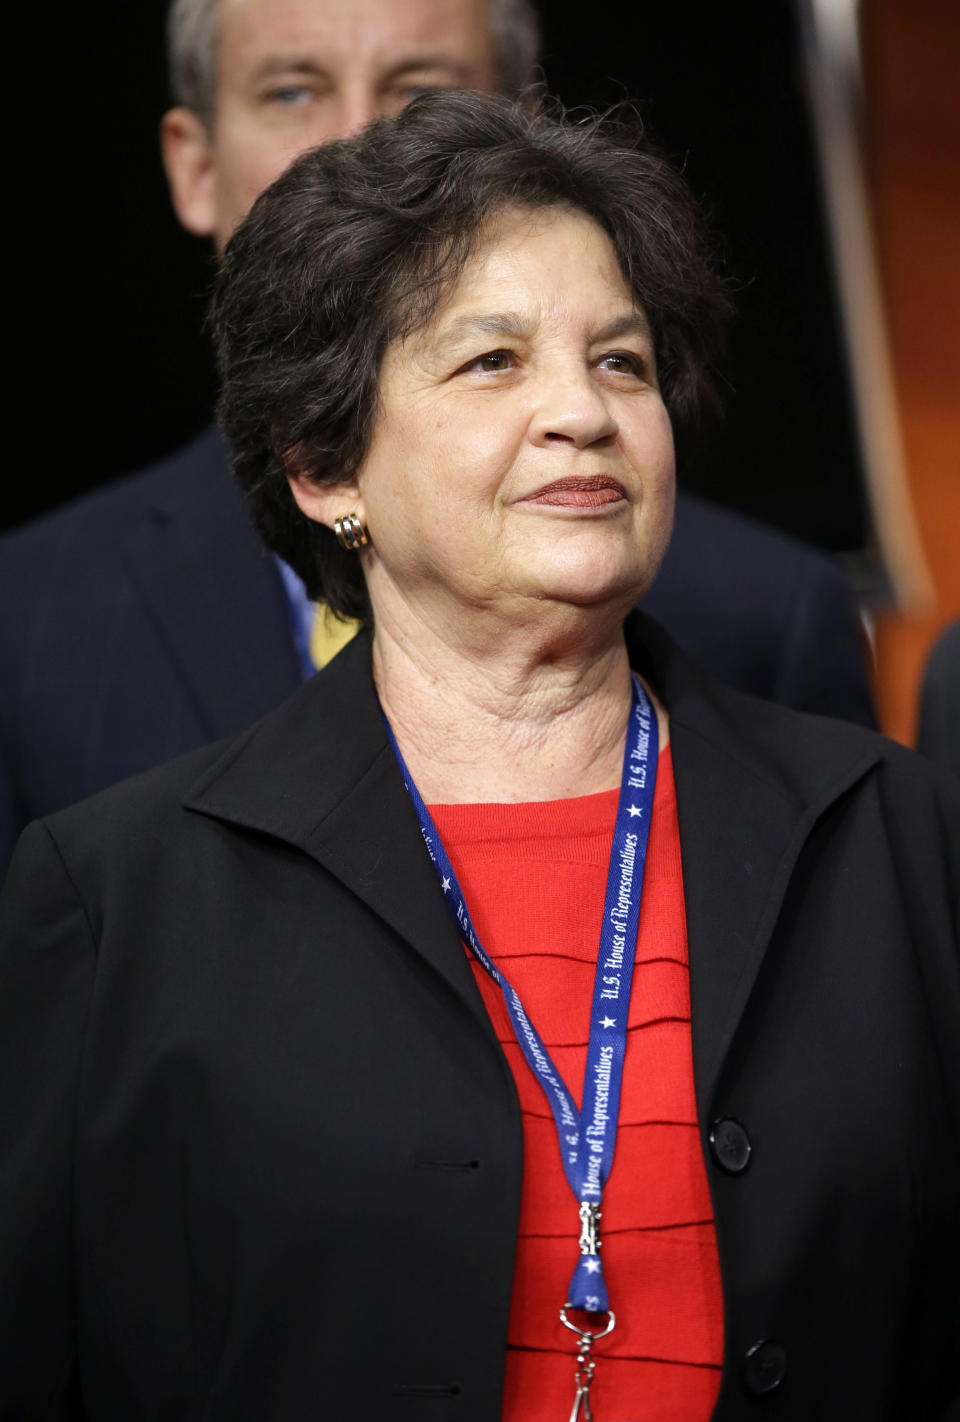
(750,551)
(798,751)
(116,832)
(129,816)
(139,796)
(192,479)
(762,611)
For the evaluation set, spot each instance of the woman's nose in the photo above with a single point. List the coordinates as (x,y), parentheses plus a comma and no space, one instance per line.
(571,409)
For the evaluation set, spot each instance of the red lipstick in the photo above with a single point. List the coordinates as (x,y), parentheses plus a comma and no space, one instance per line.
(594,491)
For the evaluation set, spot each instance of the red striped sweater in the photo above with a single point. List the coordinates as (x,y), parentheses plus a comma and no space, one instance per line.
(534,876)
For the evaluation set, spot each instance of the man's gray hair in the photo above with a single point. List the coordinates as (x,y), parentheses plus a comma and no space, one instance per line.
(192,50)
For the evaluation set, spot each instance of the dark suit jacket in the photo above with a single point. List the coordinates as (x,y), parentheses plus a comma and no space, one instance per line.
(146,620)
(263,1151)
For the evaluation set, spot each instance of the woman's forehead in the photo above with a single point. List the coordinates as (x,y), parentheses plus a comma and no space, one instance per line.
(526,264)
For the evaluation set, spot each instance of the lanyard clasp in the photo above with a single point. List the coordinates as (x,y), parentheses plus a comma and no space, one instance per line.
(590,1215)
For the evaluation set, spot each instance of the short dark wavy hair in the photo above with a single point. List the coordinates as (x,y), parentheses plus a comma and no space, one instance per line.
(360,240)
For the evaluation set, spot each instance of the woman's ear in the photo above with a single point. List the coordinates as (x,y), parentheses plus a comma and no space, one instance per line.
(323,502)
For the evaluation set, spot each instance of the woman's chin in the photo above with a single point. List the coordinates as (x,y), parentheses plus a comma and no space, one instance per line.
(591,567)
(606,591)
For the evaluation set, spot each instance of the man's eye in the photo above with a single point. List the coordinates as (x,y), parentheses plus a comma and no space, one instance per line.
(288,94)
(412,88)
(409,92)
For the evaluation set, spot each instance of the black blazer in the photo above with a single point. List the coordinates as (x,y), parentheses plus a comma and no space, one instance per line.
(146,620)
(262,1152)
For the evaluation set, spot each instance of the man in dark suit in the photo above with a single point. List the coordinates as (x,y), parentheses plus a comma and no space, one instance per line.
(145,620)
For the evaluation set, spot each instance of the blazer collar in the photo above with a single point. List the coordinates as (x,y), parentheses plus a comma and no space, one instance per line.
(319,774)
(752,780)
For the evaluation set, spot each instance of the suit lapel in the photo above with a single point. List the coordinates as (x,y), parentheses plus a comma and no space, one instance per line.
(318,773)
(213,596)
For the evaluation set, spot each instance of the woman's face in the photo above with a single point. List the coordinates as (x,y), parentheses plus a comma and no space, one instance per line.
(521,450)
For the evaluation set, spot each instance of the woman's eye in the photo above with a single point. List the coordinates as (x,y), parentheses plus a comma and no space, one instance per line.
(623,363)
(492,361)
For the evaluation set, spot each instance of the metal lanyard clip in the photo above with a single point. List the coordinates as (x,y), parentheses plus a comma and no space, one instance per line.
(586,1364)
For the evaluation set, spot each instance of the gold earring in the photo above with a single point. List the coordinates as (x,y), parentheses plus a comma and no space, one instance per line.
(350,532)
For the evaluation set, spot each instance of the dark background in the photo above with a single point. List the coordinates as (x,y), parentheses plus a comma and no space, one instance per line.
(124,368)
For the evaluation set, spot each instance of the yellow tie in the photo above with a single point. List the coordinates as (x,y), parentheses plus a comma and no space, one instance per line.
(329,634)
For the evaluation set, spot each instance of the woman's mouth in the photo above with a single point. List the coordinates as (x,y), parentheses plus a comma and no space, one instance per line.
(591,492)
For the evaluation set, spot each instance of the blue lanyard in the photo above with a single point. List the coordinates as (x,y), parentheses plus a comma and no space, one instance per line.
(587,1136)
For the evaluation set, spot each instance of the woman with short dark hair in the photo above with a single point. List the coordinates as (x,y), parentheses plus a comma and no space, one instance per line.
(516,1023)
(347,257)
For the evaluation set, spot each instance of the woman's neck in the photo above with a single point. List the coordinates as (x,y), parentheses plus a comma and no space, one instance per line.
(526,716)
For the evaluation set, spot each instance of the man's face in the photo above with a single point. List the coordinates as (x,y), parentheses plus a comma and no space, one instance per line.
(295,73)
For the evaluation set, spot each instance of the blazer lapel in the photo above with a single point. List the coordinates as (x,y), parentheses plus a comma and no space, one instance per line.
(751,785)
(213,596)
(318,773)
(740,840)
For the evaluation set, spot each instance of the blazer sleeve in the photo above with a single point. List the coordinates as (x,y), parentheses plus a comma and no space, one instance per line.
(46,973)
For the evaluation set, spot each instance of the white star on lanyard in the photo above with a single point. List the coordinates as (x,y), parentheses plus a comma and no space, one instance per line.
(634,810)
(445,885)
(592,1266)
(608,1022)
